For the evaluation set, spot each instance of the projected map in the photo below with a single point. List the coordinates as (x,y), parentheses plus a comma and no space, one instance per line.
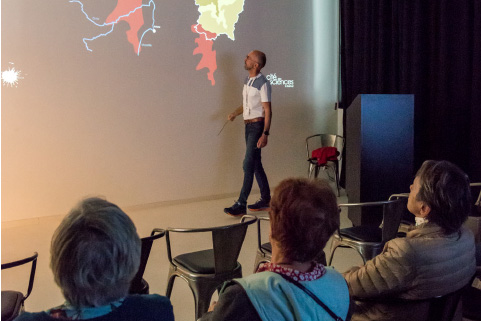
(216,17)
(130,11)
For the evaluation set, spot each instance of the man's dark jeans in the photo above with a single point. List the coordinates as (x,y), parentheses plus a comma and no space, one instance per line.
(252,164)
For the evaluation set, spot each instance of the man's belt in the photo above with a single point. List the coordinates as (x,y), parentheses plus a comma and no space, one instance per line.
(253,120)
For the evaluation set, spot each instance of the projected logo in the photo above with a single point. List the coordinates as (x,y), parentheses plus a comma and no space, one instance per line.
(278,81)
(130,11)
(216,17)
(11,76)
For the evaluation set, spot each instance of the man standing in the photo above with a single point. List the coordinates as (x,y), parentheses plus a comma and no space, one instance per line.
(257,113)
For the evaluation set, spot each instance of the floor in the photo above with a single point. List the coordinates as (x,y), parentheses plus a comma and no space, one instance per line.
(22,238)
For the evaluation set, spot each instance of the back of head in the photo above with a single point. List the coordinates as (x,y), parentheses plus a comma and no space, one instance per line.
(261,57)
(95,253)
(444,187)
(304,215)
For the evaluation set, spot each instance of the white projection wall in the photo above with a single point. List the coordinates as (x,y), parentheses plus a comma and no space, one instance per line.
(124,99)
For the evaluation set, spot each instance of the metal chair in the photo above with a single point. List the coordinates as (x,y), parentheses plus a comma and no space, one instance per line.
(264,250)
(324,140)
(205,271)
(367,240)
(138,284)
(13,301)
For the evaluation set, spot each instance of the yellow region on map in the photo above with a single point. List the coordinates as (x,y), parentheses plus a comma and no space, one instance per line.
(219,16)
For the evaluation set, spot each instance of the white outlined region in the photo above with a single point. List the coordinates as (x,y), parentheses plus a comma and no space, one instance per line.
(11,76)
(112,24)
(205,33)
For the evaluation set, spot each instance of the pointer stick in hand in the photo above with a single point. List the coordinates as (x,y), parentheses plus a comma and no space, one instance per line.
(223,127)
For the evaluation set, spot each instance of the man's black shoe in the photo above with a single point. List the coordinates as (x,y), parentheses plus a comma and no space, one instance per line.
(236,210)
(260,205)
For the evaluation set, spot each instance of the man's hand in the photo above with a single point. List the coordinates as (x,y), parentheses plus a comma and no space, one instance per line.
(262,142)
(231,116)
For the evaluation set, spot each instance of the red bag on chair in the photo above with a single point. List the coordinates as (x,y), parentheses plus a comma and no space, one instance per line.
(325,154)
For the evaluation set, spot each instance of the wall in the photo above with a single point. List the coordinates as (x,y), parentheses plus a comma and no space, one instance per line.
(142,129)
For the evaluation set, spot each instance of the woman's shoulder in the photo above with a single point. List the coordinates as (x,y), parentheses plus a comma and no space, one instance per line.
(144,307)
(33,316)
(148,299)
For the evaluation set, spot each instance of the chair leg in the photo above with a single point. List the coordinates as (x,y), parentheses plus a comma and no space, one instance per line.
(310,170)
(202,296)
(170,284)
(316,171)
(337,179)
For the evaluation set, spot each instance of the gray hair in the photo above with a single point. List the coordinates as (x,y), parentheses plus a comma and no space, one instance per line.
(95,253)
(444,187)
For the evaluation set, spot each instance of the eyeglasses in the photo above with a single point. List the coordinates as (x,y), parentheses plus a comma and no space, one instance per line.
(249,58)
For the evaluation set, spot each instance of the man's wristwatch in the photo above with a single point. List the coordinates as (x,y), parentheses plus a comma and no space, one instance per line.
(266,133)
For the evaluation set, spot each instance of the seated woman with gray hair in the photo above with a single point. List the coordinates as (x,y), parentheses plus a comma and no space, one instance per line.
(95,253)
(434,259)
(293,286)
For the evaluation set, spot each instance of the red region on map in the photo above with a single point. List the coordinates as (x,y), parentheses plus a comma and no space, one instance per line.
(204,47)
(134,19)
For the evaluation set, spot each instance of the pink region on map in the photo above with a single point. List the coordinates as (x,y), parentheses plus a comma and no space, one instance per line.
(204,47)
(134,19)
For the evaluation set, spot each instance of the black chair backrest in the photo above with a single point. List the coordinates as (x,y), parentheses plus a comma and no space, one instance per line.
(392,215)
(227,242)
(260,219)
(144,256)
(444,307)
(32,259)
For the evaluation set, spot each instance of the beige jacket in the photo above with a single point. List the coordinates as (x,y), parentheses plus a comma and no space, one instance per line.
(422,265)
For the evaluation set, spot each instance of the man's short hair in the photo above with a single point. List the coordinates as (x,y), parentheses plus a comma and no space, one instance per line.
(261,57)
(304,214)
(444,187)
(95,253)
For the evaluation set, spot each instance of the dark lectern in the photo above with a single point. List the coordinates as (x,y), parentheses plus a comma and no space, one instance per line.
(379,150)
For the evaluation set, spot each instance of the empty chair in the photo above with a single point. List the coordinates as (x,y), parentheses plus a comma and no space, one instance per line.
(369,240)
(206,270)
(138,284)
(324,151)
(13,301)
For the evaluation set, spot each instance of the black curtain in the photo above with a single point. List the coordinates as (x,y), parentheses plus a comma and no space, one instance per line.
(431,49)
